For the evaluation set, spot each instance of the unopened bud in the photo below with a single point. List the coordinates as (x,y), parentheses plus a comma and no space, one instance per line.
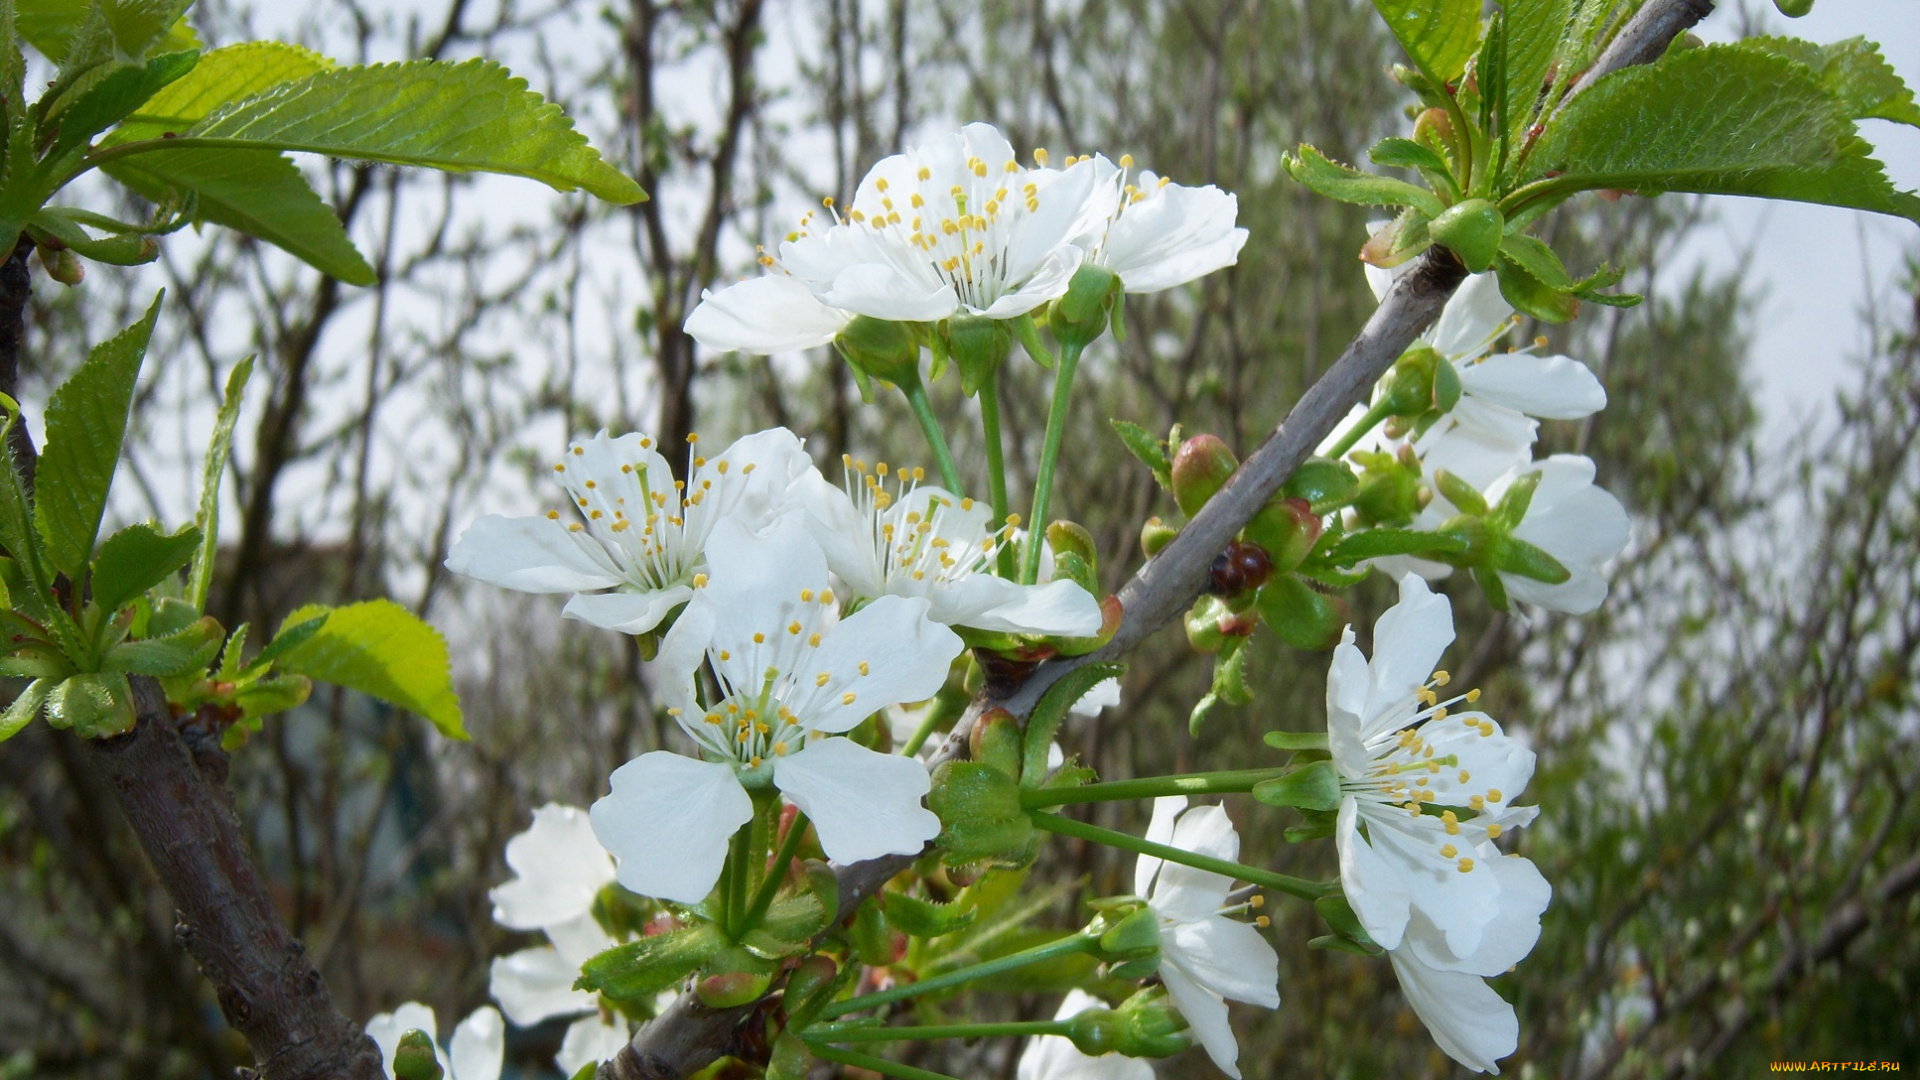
(414,1058)
(1408,387)
(1150,1026)
(1064,536)
(880,349)
(1094,1031)
(1287,529)
(978,346)
(1200,468)
(62,265)
(1084,313)
(1154,535)
(1472,229)
(996,740)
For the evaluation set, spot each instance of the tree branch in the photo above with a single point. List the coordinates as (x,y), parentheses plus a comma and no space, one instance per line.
(689,1036)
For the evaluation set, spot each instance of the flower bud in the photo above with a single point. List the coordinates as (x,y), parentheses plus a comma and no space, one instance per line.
(1408,387)
(731,988)
(1150,1026)
(1130,934)
(1301,615)
(1211,621)
(414,1058)
(1200,467)
(1320,481)
(1094,1031)
(1287,529)
(1433,129)
(1154,535)
(880,349)
(1065,536)
(978,346)
(63,265)
(1471,229)
(996,740)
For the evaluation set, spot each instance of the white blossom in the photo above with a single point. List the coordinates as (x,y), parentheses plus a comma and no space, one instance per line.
(1206,958)
(472,1054)
(791,675)
(1570,518)
(1054,1057)
(887,534)
(1427,883)
(633,539)
(1160,234)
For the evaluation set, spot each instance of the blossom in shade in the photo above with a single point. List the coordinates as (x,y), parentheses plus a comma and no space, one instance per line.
(634,538)
(1054,1057)
(1160,234)
(1424,793)
(790,677)
(887,534)
(768,314)
(1206,958)
(1570,518)
(559,869)
(472,1054)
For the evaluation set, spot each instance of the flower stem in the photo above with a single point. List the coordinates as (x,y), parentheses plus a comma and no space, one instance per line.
(876,1064)
(846,1033)
(733,878)
(776,873)
(996,464)
(1049,456)
(930,427)
(946,705)
(1232,781)
(1380,411)
(1266,879)
(1066,946)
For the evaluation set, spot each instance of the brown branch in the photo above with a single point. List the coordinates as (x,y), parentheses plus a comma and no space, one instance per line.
(689,1036)
(186,824)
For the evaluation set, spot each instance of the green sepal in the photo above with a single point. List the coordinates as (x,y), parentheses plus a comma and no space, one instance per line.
(1462,495)
(183,651)
(1324,483)
(880,349)
(1398,240)
(1312,786)
(96,705)
(1338,914)
(978,346)
(25,707)
(1496,590)
(925,918)
(1151,451)
(1296,740)
(1516,556)
(871,936)
(136,559)
(1377,543)
(788,928)
(1350,185)
(638,970)
(1317,826)
(1052,709)
(1085,311)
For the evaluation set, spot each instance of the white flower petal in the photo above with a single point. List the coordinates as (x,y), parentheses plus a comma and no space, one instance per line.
(985,602)
(844,534)
(1185,893)
(1577,523)
(558,869)
(1550,387)
(1228,957)
(477,1044)
(1104,695)
(1472,318)
(626,612)
(1408,640)
(1166,811)
(1048,281)
(534,984)
(864,804)
(881,291)
(1174,235)
(668,820)
(1379,898)
(1471,1023)
(1206,1014)
(764,315)
(887,653)
(580,939)
(532,554)
(589,1040)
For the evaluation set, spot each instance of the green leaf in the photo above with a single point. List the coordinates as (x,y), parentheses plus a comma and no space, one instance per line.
(86,421)
(788,928)
(222,76)
(1537,259)
(1439,35)
(51,25)
(179,653)
(1719,120)
(1531,296)
(1296,740)
(24,708)
(219,447)
(136,559)
(1350,185)
(111,99)
(1374,543)
(925,918)
(1151,451)
(471,116)
(125,249)
(291,636)
(1535,29)
(1401,153)
(1052,709)
(1852,71)
(381,649)
(258,192)
(640,969)
(96,705)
